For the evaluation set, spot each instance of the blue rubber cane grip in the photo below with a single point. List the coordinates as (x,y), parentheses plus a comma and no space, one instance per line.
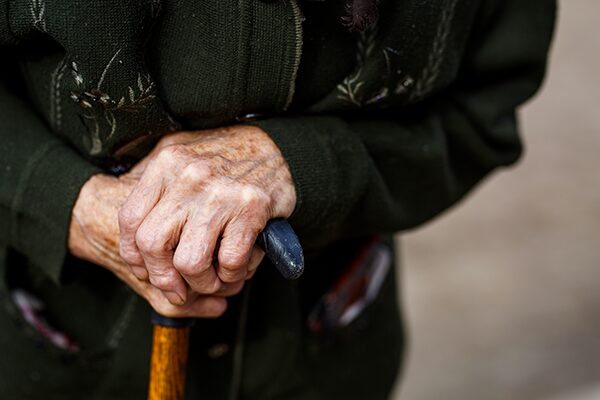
(282,247)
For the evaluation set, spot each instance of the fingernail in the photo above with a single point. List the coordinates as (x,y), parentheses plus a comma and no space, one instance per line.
(174,298)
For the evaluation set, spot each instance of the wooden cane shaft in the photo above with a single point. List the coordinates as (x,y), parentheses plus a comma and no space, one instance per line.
(168,363)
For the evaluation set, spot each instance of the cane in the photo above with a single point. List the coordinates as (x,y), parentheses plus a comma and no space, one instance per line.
(170,337)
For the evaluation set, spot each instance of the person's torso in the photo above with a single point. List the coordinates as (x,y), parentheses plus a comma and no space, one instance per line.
(111,77)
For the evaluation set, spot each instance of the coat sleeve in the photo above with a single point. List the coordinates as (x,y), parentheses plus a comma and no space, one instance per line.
(357,175)
(40,178)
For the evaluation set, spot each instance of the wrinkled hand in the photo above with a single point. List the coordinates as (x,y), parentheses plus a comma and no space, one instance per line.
(94,234)
(203,198)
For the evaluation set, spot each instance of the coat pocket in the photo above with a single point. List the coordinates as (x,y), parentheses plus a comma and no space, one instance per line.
(31,366)
(57,342)
(360,359)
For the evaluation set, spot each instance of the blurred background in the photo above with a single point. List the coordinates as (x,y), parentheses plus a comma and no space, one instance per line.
(502,294)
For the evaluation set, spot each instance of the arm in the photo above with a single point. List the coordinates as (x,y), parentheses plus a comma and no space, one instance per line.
(40,177)
(53,201)
(393,171)
(352,176)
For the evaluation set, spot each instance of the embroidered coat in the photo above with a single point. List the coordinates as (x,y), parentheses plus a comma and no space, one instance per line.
(383,130)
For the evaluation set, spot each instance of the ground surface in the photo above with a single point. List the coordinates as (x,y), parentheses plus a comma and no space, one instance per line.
(503,293)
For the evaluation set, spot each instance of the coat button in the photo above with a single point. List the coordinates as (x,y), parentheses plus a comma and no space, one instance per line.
(218,350)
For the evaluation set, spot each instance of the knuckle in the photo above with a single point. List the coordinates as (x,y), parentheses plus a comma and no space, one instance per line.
(127,217)
(192,267)
(247,193)
(206,288)
(150,243)
(164,280)
(144,242)
(192,260)
(253,197)
(195,172)
(255,207)
(169,153)
(232,261)
(230,275)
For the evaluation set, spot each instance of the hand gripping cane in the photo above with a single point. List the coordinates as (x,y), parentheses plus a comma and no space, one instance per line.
(171,335)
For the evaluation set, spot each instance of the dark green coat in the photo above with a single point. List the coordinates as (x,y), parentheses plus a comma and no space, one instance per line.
(382,130)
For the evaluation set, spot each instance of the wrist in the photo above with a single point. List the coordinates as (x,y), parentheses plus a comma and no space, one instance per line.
(84,216)
(281,185)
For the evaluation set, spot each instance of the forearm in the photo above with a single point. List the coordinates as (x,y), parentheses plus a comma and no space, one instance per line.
(393,169)
(40,177)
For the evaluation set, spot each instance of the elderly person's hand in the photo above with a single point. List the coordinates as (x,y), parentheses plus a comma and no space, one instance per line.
(94,234)
(202,199)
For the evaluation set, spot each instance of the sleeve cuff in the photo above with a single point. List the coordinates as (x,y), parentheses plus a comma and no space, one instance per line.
(43,202)
(323,154)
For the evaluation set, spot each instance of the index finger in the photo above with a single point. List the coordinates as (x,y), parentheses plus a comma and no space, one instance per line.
(138,205)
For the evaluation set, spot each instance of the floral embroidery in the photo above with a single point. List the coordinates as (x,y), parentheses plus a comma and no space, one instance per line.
(140,99)
(357,91)
(138,96)
(38,10)
(155,6)
(55,98)
(426,82)
(106,68)
(350,88)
